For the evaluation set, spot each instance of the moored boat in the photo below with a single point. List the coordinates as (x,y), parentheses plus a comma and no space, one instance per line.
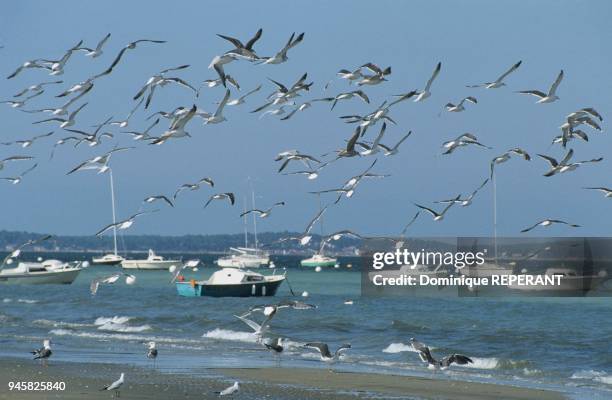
(244,257)
(319,260)
(39,273)
(231,282)
(152,262)
(108,259)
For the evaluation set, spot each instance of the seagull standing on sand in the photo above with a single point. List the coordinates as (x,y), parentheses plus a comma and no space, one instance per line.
(549,222)
(152,352)
(549,97)
(426,93)
(498,82)
(44,352)
(115,386)
(425,355)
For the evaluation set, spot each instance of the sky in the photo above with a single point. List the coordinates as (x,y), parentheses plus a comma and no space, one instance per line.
(475,41)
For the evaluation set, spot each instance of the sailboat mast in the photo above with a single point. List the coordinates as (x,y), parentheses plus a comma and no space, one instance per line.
(112,187)
(495,215)
(246,234)
(321,225)
(254,218)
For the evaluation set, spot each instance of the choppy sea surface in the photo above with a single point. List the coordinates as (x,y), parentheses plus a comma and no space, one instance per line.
(561,343)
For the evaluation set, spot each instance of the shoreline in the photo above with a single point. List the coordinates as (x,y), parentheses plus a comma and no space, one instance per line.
(83,380)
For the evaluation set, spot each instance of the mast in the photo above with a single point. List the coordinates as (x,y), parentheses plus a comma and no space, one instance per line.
(321,226)
(112,187)
(254,217)
(244,218)
(495,215)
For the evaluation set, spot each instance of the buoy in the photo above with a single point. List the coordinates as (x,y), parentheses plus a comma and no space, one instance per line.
(349,265)
(337,265)
(318,269)
(9,261)
(348,302)
(195,269)
(85,264)
(172,269)
(39,259)
(130,280)
(305,294)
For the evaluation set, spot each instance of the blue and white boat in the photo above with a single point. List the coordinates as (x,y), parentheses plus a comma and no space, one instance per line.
(231,282)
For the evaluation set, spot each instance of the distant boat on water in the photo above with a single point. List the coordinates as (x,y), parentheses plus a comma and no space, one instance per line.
(152,262)
(231,282)
(39,273)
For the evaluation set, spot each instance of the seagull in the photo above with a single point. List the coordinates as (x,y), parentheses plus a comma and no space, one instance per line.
(63,109)
(425,355)
(326,355)
(28,142)
(350,76)
(151,199)
(507,155)
(377,77)
(277,111)
(301,107)
(606,191)
(350,151)
(461,141)
(115,386)
(287,158)
(258,330)
(211,83)
(240,100)
(221,196)
(22,102)
(276,346)
(152,352)
(177,271)
(270,309)
(64,122)
(98,162)
(283,94)
(311,173)
(346,96)
(57,66)
(13,158)
(426,93)
(459,107)
(340,234)
(498,82)
(390,151)
(439,216)
(159,80)
(376,143)
(281,56)
(26,65)
(16,180)
(129,46)
(36,88)
(263,213)
(15,253)
(144,135)
(217,117)
(44,352)
(564,165)
(97,52)
(546,97)
(410,222)
(126,121)
(466,201)
(241,51)
(548,222)
(125,224)
(230,390)
(177,127)
(194,186)
(305,237)
(109,280)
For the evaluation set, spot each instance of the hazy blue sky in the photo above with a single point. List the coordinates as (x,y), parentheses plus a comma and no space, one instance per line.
(474,40)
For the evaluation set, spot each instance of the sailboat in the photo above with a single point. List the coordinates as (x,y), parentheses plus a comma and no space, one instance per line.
(111,258)
(319,259)
(246,257)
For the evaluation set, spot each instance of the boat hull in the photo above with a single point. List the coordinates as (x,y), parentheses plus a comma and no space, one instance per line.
(149,265)
(314,264)
(64,277)
(249,289)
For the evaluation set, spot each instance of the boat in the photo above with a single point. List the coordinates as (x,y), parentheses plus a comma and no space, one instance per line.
(319,260)
(39,273)
(244,257)
(487,269)
(231,282)
(152,262)
(111,258)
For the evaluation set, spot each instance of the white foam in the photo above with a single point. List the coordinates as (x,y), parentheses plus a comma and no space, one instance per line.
(121,336)
(57,324)
(398,348)
(483,363)
(111,327)
(27,301)
(597,376)
(7,300)
(113,320)
(531,372)
(225,334)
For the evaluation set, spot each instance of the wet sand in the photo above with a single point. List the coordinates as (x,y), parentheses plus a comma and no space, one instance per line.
(83,381)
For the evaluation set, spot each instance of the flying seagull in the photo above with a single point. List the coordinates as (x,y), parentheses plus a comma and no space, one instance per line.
(221,196)
(125,224)
(281,56)
(109,280)
(263,213)
(326,355)
(426,93)
(546,97)
(460,107)
(151,199)
(548,222)
(17,179)
(13,158)
(64,122)
(305,237)
(217,117)
(506,156)
(606,191)
(241,99)
(499,81)
(377,77)
(115,386)
(97,52)
(36,88)
(28,142)
(177,127)
(346,96)
(22,102)
(462,141)
(425,355)
(160,80)
(467,200)
(564,165)
(193,186)
(436,215)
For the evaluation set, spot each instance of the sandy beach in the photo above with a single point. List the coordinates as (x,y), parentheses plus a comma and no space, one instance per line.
(83,381)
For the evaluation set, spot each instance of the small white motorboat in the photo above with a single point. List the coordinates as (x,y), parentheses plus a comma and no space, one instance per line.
(153,262)
(39,273)
(244,257)
(108,259)
(319,260)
